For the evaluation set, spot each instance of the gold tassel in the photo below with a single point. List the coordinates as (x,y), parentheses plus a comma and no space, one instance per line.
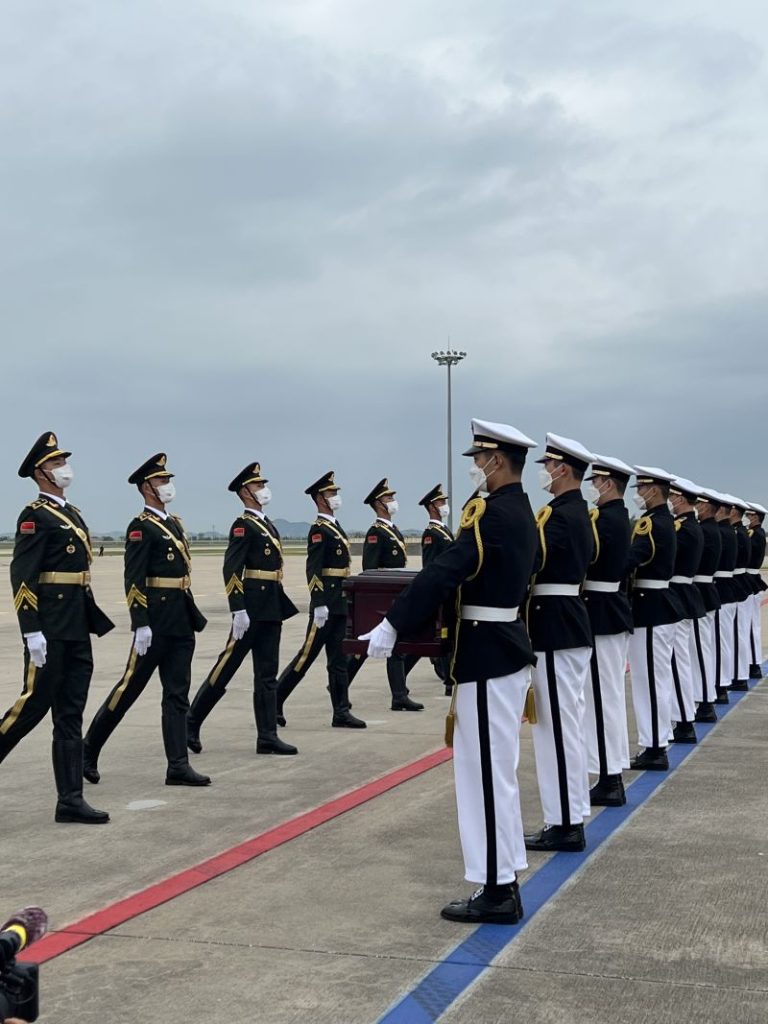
(450,718)
(529,711)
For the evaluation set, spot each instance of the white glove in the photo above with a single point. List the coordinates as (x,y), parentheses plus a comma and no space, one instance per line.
(381,640)
(240,624)
(37,646)
(320,615)
(142,641)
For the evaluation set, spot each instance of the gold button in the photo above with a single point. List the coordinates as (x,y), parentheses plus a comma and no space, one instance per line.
(474,623)
(61,596)
(162,598)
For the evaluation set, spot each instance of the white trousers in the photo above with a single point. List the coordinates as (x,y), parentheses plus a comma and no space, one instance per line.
(606,732)
(741,639)
(756,630)
(486,751)
(650,662)
(703,659)
(724,641)
(683,699)
(559,681)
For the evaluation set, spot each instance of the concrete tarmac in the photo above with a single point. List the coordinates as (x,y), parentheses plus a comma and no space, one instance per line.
(665,922)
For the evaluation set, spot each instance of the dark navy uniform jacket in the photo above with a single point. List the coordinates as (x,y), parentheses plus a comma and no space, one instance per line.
(609,613)
(435,539)
(727,587)
(489,564)
(566,547)
(756,558)
(384,547)
(743,556)
(328,559)
(709,562)
(254,544)
(652,557)
(690,546)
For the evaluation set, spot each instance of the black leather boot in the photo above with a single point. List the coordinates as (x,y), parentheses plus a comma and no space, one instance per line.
(68,772)
(755,672)
(608,792)
(396,678)
(98,733)
(265,712)
(652,759)
(206,699)
(566,838)
(684,732)
(491,904)
(705,712)
(722,695)
(342,716)
(179,772)
(739,685)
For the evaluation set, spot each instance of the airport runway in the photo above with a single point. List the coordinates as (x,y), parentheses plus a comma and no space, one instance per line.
(308,889)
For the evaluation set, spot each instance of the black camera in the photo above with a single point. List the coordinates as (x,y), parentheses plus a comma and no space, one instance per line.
(19,983)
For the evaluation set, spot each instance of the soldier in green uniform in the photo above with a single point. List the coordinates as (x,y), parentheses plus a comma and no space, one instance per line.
(164,618)
(384,548)
(328,560)
(57,613)
(253,574)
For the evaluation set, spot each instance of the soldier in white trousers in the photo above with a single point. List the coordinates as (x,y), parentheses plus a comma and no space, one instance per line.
(755,517)
(703,645)
(743,625)
(726,588)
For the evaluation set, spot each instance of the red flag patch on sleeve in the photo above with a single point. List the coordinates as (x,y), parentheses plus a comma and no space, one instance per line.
(316,537)
(135,535)
(372,539)
(427,540)
(239,531)
(28,527)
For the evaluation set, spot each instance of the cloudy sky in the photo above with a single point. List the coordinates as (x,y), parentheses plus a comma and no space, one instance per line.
(237,229)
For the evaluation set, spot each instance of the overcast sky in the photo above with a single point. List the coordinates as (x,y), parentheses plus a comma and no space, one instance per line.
(236,230)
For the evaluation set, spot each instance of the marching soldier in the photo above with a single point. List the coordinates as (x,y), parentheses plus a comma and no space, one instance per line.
(727,590)
(164,618)
(253,573)
(561,635)
(744,599)
(655,612)
(487,569)
(704,653)
(685,661)
(50,577)
(610,616)
(755,516)
(384,548)
(328,560)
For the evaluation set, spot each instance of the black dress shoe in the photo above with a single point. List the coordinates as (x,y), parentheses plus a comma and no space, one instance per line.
(684,732)
(739,684)
(705,712)
(566,838)
(406,704)
(755,672)
(186,776)
(281,720)
(79,812)
(652,759)
(275,746)
(722,695)
(193,738)
(608,792)
(346,720)
(497,904)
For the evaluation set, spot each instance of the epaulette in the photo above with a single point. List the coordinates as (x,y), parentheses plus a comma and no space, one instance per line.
(37,503)
(472,513)
(143,516)
(643,527)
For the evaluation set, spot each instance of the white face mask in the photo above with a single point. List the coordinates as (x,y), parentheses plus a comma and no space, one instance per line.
(545,479)
(263,495)
(445,512)
(334,502)
(392,507)
(63,475)
(639,500)
(594,494)
(479,477)
(166,492)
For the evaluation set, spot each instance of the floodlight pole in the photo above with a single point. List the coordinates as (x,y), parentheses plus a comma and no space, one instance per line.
(448,359)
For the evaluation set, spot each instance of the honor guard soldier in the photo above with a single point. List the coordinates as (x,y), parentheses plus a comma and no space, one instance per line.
(561,635)
(704,628)
(164,618)
(328,560)
(743,603)
(50,577)
(686,672)
(384,548)
(728,593)
(487,570)
(755,517)
(656,611)
(253,574)
(610,616)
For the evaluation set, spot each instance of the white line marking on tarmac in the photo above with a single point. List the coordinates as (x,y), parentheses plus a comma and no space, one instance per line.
(145,805)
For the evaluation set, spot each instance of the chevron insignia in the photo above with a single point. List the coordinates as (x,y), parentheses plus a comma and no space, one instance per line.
(135,596)
(235,585)
(24,594)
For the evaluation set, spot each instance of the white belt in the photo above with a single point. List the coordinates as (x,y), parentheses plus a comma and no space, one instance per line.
(723,574)
(652,584)
(703,579)
(602,586)
(556,590)
(483,613)
(753,572)
(738,572)
(682,579)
